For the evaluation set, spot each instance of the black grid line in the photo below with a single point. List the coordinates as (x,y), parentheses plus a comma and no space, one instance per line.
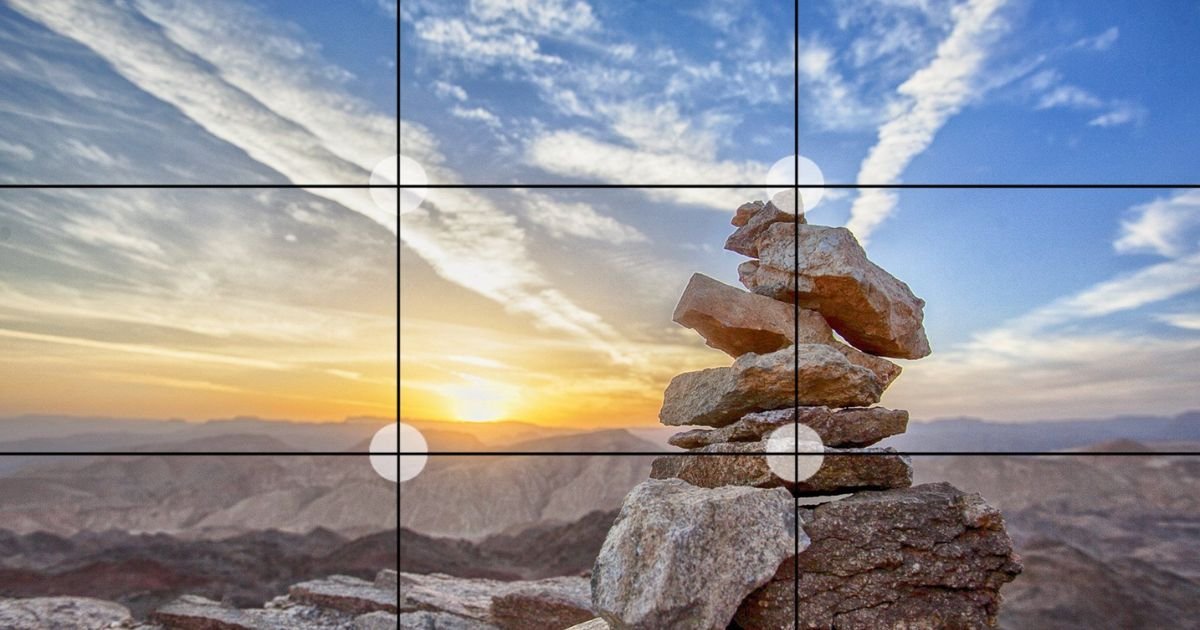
(897,186)
(797,209)
(863,453)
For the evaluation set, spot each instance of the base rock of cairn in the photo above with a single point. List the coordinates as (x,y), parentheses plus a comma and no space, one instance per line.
(710,540)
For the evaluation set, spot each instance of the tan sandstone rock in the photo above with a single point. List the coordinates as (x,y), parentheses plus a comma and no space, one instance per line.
(745,464)
(738,322)
(856,426)
(761,382)
(870,308)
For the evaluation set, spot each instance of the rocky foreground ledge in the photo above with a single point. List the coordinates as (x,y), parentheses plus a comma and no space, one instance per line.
(334,603)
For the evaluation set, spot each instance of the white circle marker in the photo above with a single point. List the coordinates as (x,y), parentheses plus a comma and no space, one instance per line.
(412,442)
(382,445)
(800,452)
(784,172)
(393,171)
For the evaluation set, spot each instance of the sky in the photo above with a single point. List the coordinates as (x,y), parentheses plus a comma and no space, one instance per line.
(553,305)
(197,303)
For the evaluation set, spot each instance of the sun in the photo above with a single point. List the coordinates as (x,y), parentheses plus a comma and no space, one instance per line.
(479,400)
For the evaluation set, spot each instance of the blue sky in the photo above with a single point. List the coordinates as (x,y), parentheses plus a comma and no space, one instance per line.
(1042,303)
(197,303)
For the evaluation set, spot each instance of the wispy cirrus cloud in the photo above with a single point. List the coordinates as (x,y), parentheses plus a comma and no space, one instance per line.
(930,97)
(290,121)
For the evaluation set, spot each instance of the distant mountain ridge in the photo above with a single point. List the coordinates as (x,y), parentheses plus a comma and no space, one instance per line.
(972,434)
(206,496)
(476,496)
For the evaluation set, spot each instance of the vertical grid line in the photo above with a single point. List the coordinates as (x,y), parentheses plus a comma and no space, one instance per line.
(399,292)
(796,305)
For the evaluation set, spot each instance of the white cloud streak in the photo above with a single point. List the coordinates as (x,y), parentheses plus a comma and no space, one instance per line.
(931,97)
(306,132)
(577,220)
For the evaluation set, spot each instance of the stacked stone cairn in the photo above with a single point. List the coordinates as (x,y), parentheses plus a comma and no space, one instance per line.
(711,540)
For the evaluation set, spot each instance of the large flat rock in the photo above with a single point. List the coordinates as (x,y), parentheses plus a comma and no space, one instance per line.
(745,464)
(930,556)
(679,556)
(738,322)
(855,426)
(867,306)
(547,604)
(191,612)
(762,382)
(347,594)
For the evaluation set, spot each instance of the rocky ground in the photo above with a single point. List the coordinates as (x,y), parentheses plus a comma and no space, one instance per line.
(332,603)
(1105,541)
(143,572)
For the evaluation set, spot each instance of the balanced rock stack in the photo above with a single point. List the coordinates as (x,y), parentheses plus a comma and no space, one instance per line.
(710,540)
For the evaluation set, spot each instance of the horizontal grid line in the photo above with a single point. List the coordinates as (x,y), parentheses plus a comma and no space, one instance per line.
(1000,186)
(196,453)
(191,186)
(773,454)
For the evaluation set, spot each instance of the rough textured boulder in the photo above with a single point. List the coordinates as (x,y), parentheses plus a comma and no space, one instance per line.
(737,322)
(842,470)
(856,426)
(870,308)
(751,220)
(679,556)
(930,556)
(61,613)
(762,382)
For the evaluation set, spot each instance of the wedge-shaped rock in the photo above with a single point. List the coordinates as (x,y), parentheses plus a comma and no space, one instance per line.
(869,307)
(679,556)
(734,321)
(761,382)
(929,556)
(842,470)
(857,426)
(752,219)
(737,322)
